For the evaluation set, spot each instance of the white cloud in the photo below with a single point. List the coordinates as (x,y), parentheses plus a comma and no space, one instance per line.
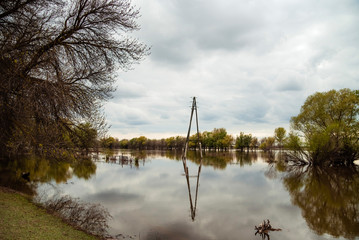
(251,64)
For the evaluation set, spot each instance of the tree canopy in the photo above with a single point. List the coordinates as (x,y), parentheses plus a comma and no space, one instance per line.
(329,122)
(57,65)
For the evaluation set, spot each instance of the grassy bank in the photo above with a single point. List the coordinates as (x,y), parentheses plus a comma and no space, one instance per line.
(21,219)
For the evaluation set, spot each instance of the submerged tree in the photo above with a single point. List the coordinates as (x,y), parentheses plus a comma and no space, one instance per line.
(56,66)
(330,124)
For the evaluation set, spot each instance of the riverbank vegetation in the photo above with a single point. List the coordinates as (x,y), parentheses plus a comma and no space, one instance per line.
(88,217)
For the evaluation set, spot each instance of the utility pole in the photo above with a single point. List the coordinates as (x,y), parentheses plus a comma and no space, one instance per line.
(193,109)
(184,159)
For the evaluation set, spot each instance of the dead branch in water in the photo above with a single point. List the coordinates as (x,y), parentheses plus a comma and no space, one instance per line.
(264,228)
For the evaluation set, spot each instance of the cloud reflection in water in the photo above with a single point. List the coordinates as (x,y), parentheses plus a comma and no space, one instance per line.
(152,200)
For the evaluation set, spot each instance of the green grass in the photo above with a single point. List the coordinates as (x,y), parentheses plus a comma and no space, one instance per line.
(21,219)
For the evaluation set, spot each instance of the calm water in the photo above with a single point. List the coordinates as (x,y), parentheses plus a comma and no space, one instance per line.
(150,198)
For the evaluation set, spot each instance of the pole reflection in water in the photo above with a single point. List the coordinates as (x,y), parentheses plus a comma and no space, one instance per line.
(184,160)
(193,207)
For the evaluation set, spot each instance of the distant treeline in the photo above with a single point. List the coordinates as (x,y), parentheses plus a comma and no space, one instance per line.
(218,139)
(324,133)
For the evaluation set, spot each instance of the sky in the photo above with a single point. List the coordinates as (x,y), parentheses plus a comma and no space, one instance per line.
(250,64)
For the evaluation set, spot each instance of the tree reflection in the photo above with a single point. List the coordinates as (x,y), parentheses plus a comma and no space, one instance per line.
(84,168)
(43,170)
(328,197)
(216,159)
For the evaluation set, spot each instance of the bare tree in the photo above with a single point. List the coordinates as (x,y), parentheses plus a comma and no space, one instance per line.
(57,64)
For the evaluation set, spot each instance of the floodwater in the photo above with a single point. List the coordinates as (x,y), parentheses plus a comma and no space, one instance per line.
(224,197)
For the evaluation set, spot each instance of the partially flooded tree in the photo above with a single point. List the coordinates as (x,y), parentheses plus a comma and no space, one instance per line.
(243,141)
(218,135)
(330,126)
(254,143)
(279,134)
(267,143)
(57,64)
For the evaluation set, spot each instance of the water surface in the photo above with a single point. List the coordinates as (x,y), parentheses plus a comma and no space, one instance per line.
(150,198)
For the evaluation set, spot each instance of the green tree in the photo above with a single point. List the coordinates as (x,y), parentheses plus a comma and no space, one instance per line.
(123,144)
(141,142)
(247,141)
(133,143)
(280,134)
(254,143)
(243,141)
(267,143)
(297,153)
(293,142)
(218,135)
(330,126)
(227,142)
(179,142)
(85,136)
(208,140)
(170,142)
(108,142)
(193,141)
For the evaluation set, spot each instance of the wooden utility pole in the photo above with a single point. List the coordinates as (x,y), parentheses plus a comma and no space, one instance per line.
(184,159)
(193,109)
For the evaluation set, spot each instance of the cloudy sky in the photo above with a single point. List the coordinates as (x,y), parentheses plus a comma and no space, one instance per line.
(250,63)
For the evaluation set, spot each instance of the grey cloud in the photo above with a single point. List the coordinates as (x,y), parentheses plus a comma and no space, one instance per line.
(135,121)
(290,86)
(123,93)
(252,110)
(229,25)
(210,116)
(165,116)
(171,52)
(195,26)
(250,63)
(128,90)
(255,114)
(290,80)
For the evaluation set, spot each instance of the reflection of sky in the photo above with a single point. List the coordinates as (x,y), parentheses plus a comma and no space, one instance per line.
(153,201)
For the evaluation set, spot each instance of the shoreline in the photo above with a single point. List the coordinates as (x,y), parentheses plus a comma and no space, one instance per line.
(23,219)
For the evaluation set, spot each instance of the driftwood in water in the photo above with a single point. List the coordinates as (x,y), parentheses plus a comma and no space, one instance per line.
(264,228)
